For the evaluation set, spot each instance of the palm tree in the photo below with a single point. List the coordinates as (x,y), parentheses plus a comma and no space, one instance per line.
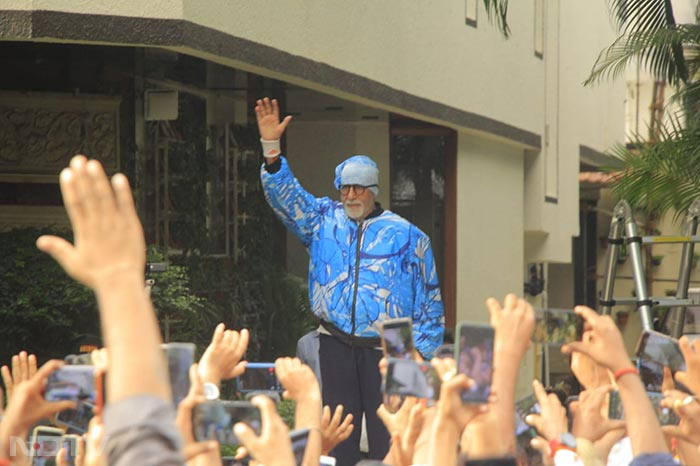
(660,176)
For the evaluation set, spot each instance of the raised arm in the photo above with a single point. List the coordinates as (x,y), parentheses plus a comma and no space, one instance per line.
(109,256)
(267,112)
(603,343)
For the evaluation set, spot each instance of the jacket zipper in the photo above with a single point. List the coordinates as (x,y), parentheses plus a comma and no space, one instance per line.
(357,277)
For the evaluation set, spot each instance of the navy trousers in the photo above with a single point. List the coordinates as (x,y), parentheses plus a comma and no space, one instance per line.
(351,377)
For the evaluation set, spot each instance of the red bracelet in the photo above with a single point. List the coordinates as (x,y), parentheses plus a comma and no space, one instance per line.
(624,371)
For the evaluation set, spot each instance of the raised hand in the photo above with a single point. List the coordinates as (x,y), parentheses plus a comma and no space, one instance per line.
(335,429)
(602,341)
(514,323)
(691,354)
(28,405)
(551,422)
(267,113)
(23,368)
(272,447)
(222,358)
(589,421)
(298,380)
(688,408)
(107,233)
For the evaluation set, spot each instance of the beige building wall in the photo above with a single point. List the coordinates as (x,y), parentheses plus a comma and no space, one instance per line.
(489,229)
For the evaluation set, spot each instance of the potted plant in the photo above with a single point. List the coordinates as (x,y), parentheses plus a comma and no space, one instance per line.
(656,260)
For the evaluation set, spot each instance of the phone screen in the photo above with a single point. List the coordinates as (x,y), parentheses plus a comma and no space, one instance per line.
(397,338)
(259,377)
(651,373)
(660,348)
(74,383)
(76,420)
(409,378)
(214,420)
(180,357)
(666,416)
(524,433)
(299,438)
(475,359)
(557,326)
(44,446)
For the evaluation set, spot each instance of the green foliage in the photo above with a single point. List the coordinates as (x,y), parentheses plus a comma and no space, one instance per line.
(270,303)
(497,10)
(649,36)
(42,309)
(663,177)
(182,315)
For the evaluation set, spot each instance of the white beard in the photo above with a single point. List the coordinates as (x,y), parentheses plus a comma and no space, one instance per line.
(354,212)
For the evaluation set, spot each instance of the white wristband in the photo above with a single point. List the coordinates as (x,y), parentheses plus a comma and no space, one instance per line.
(271,148)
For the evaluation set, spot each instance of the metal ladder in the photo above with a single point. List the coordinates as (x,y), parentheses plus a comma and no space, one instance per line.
(623,230)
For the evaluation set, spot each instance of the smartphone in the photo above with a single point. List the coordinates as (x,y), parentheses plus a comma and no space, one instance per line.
(299,438)
(397,338)
(660,348)
(474,357)
(70,449)
(666,416)
(557,326)
(409,378)
(651,373)
(259,377)
(523,407)
(214,420)
(73,383)
(44,445)
(180,357)
(76,421)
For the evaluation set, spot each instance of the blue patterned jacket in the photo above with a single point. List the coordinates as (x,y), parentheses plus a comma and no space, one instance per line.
(394,274)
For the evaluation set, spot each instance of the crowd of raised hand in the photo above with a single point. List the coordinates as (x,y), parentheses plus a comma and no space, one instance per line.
(139,425)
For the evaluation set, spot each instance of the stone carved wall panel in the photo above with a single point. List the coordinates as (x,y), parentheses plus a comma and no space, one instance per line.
(40,132)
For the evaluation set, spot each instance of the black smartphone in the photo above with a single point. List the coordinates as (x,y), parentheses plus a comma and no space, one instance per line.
(214,420)
(666,416)
(397,338)
(70,449)
(299,438)
(180,357)
(660,348)
(409,378)
(474,357)
(44,445)
(557,326)
(259,377)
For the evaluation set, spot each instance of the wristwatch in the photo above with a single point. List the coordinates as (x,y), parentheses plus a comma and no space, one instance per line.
(211,391)
(565,441)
